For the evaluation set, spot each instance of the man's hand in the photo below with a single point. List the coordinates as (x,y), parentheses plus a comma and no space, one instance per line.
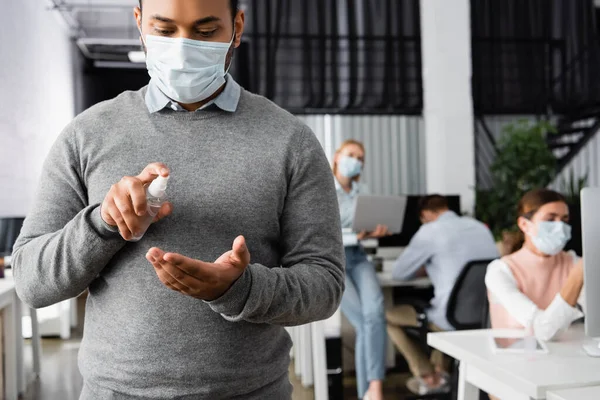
(379,232)
(199,279)
(125,204)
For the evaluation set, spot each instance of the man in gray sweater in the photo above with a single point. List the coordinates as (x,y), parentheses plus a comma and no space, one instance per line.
(249,187)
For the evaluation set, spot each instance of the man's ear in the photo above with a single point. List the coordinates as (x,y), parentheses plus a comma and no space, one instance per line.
(239,24)
(137,13)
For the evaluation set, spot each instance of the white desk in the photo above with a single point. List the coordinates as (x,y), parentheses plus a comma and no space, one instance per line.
(589,393)
(10,305)
(515,376)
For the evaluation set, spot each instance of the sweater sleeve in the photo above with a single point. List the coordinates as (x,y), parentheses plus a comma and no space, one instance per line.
(310,282)
(581,298)
(418,252)
(546,323)
(64,243)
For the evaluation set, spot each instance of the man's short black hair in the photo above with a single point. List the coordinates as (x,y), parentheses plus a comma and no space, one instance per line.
(234,4)
(434,202)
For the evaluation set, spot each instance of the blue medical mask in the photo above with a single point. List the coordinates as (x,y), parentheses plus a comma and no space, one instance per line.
(350,167)
(187,71)
(552,237)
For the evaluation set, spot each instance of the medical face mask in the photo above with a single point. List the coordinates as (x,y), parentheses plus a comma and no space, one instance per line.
(551,237)
(187,71)
(350,167)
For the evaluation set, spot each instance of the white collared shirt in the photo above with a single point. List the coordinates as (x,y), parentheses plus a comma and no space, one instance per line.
(347,203)
(444,247)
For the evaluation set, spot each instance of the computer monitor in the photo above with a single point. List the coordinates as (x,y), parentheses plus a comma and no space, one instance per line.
(590,232)
(412,221)
(9,231)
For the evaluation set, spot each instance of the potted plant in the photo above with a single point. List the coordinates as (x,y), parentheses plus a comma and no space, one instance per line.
(523,162)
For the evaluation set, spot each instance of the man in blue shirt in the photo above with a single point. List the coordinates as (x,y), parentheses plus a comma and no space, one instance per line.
(443,245)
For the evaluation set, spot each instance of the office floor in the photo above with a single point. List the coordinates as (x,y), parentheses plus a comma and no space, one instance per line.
(60,378)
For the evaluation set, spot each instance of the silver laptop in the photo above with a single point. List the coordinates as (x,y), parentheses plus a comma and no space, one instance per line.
(371,211)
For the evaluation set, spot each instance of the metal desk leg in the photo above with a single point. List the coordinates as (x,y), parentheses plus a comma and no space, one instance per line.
(22,384)
(306,360)
(297,351)
(11,349)
(319,361)
(36,342)
(466,390)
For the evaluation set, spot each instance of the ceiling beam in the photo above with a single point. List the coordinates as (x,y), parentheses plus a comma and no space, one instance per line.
(75,30)
(100,7)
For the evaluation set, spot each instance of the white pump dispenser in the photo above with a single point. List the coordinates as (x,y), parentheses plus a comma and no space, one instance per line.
(155,198)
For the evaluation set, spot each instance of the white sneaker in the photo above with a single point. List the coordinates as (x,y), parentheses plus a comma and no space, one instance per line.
(417,386)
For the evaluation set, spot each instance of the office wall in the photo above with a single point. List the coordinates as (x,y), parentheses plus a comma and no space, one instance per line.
(36,96)
(395,154)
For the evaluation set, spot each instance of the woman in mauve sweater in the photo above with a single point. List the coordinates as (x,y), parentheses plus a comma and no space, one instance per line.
(539,286)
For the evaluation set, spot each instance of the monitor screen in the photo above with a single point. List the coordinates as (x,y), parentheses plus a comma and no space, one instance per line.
(9,231)
(412,221)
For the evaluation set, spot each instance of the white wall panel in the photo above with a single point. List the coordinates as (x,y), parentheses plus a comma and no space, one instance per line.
(36,97)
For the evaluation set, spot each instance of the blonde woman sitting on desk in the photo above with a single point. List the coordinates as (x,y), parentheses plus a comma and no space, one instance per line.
(539,285)
(362,302)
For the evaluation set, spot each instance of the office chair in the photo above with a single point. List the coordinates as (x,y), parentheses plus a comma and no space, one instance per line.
(467,309)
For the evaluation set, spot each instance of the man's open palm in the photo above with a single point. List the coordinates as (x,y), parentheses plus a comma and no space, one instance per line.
(199,279)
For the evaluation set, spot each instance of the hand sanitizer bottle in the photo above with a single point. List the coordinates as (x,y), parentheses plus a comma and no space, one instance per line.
(155,198)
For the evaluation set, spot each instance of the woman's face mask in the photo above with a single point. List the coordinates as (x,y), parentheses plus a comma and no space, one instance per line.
(349,167)
(551,237)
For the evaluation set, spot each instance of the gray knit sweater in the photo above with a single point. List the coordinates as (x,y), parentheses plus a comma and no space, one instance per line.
(258,172)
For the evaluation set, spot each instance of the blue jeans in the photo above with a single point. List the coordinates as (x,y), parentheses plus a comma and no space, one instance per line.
(362,304)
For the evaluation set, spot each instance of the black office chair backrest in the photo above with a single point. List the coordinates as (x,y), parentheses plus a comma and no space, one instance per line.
(9,231)
(467,302)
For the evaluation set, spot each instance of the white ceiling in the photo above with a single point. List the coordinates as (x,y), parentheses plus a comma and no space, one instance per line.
(104,29)
(101,19)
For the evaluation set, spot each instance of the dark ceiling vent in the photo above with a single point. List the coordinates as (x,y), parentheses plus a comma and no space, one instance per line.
(97,49)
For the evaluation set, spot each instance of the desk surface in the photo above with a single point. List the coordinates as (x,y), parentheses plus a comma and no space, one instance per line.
(6,285)
(7,292)
(386,280)
(565,366)
(588,393)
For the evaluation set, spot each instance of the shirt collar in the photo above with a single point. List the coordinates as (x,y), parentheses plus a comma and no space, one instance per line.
(447,215)
(228,100)
(339,187)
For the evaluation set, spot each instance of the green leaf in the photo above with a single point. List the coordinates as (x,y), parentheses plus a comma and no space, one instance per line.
(524,162)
